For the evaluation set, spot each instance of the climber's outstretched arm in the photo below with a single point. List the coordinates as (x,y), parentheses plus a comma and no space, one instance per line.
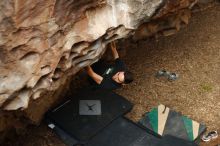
(114,50)
(97,78)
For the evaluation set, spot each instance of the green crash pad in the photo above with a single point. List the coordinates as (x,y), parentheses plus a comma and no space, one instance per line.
(165,121)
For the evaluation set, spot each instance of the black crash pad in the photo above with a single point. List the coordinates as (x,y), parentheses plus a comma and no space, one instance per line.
(123,132)
(81,127)
(169,140)
(65,137)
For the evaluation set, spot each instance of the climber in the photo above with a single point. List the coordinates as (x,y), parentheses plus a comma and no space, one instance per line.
(110,76)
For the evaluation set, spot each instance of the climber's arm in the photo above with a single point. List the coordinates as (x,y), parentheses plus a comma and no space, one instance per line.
(114,50)
(97,78)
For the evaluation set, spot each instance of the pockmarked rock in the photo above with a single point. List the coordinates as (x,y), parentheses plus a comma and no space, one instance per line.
(42,43)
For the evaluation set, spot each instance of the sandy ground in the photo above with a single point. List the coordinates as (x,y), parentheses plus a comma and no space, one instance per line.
(193,53)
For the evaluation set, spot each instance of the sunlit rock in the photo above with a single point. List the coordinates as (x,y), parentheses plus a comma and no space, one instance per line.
(40,37)
(44,42)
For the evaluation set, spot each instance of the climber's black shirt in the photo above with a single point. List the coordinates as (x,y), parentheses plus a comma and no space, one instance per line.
(107,71)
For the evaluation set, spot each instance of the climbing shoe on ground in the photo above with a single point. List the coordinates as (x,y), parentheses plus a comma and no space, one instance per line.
(209,136)
(170,76)
(173,77)
(162,73)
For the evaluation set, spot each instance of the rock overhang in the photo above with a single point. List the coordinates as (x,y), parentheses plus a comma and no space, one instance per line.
(43,43)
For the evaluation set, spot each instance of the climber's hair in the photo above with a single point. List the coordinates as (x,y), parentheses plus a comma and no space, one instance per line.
(128,77)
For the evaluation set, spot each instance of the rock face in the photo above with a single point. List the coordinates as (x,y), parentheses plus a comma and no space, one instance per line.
(42,43)
(42,40)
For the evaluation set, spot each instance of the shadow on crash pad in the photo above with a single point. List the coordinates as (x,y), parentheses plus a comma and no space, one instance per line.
(84,127)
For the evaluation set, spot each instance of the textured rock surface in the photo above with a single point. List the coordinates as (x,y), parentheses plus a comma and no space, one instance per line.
(43,43)
(42,40)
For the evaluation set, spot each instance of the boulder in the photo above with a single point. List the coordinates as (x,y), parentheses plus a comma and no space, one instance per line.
(44,43)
